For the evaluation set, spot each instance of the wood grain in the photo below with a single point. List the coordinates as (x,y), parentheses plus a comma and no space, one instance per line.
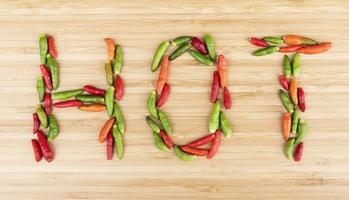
(251,165)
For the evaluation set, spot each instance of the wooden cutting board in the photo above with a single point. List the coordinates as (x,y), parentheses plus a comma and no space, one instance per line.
(250,165)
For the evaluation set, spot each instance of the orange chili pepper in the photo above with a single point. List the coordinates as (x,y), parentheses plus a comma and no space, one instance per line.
(314,49)
(286,125)
(296,40)
(293,91)
(92,107)
(105,129)
(111,48)
(222,69)
(163,74)
(291,48)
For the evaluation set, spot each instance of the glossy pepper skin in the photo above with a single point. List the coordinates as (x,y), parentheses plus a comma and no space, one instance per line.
(51,46)
(222,70)
(48,103)
(315,49)
(165,122)
(47,77)
(226,99)
(298,40)
(273,40)
(105,129)
(214,145)
(40,87)
(295,119)
(42,115)
(302,130)
(118,60)
(180,51)
(301,99)
(44,146)
(96,107)
(110,146)
(120,121)
(167,140)
(111,47)
(296,66)
(286,101)
(53,132)
(199,45)
(209,43)
(181,40)
(37,150)
(69,103)
(289,146)
(298,152)
(214,119)
(152,124)
(118,142)
(160,52)
(215,87)
(163,75)
(266,51)
(93,90)
(182,155)
(286,63)
(151,104)
(283,82)
(109,100)
(194,151)
(291,48)
(43,48)
(201,141)
(36,123)
(293,91)
(159,143)
(53,65)
(119,87)
(225,125)
(87,98)
(286,125)
(258,42)
(66,94)
(109,72)
(200,57)
(163,96)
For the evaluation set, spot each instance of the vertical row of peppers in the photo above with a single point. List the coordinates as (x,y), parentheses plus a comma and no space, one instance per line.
(204,52)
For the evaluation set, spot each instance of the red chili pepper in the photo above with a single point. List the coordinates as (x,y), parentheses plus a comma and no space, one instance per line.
(44,146)
(110,146)
(199,45)
(166,139)
(301,99)
(283,82)
(258,42)
(201,141)
(194,151)
(298,152)
(47,76)
(119,87)
(93,90)
(315,49)
(37,150)
(163,97)
(47,103)
(214,144)
(69,103)
(226,98)
(292,48)
(51,46)
(215,87)
(36,123)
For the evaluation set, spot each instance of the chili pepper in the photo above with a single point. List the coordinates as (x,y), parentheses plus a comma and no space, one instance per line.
(93,90)
(160,52)
(167,140)
(215,87)
(118,60)
(151,104)
(69,103)
(163,97)
(119,87)
(109,100)
(44,146)
(119,117)
(36,123)
(225,125)
(287,66)
(66,94)
(47,77)
(301,99)
(226,98)
(41,115)
(201,141)
(209,43)
(159,143)
(87,98)
(93,107)
(286,101)
(214,119)
(201,58)
(165,122)
(199,45)
(40,87)
(110,146)
(162,79)
(222,69)
(43,48)
(283,81)
(302,130)
(37,150)
(266,51)
(181,40)
(180,50)
(53,132)
(105,129)
(273,40)
(258,42)
(47,103)
(295,119)
(293,91)
(296,66)
(315,49)
(214,145)
(286,125)
(289,146)
(194,151)
(111,48)
(52,64)
(118,142)
(109,72)
(292,48)
(297,40)
(51,46)
(152,124)
(183,155)
(298,152)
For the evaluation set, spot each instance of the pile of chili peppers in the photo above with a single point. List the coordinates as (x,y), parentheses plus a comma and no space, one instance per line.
(204,52)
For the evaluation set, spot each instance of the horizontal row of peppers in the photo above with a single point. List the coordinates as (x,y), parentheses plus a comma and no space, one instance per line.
(204,52)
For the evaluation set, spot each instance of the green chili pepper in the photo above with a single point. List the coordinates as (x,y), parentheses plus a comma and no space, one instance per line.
(109,100)
(214,119)
(43,48)
(118,60)
(181,40)
(40,87)
(119,117)
(302,129)
(295,119)
(289,146)
(87,98)
(201,58)
(273,40)
(180,50)
(53,132)
(210,47)
(296,66)
(225,125)
(266,51)
(151,104)
(182,155)
(286,101)
(152,124)
(109,73)
(159,143)
(42,115)
(53,66)
(165,122)
(66,94)
(287,66)
(160,52)
(118,142)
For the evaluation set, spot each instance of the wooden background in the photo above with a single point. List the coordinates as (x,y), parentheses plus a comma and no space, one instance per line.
(250,165)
